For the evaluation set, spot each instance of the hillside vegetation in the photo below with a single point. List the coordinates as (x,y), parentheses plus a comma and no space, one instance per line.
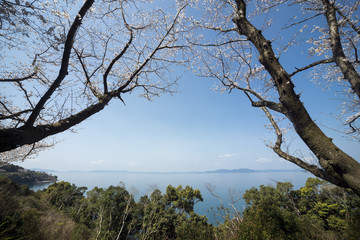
(63,211)
(25,176)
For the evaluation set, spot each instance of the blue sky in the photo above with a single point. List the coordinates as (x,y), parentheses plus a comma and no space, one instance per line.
(196,129)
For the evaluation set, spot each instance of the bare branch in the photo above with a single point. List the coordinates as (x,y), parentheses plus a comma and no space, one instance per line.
(64,63)
(14,115)
(319,172)
(330,60)
(218,29)
(26,94)
(18,79)
(304,20)
(138,70)
(105,76)
(88,82)
(218,44)
(352,25)
(341,60)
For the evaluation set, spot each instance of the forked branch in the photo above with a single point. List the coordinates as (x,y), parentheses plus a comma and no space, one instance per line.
(317,171)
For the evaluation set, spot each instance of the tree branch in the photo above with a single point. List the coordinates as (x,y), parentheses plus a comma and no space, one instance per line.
(18,79)
(318,172)
(330,60)
(304,20)
(138,70)
(356,29)
(339,165)
(277,107)
(14,115)
(341,61)
(16,137)
(220,29)
(218,44)
(105,76)
(88,82)
(64,63)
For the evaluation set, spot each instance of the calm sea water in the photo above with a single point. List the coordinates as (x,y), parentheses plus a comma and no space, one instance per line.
(225,184)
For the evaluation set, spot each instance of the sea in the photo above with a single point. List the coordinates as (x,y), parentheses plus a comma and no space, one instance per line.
(219,190)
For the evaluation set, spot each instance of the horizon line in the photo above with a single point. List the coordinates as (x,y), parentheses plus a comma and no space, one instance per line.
(237,170)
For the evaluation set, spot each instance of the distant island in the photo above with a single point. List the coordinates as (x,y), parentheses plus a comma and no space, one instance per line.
(24,176)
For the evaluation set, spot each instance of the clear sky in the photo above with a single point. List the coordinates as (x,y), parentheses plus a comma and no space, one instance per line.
(196,129)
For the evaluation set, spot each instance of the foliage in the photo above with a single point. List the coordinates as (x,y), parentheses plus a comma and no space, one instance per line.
(182,199)
(24,176)
(64,195)
(28,215)
(194,227)
(112,213)
(108,211)
(318,210)
(171,216)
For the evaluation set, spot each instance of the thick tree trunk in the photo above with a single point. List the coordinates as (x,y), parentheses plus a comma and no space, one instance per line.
(334,161)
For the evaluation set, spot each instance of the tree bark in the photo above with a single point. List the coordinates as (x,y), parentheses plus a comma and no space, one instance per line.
(334,161)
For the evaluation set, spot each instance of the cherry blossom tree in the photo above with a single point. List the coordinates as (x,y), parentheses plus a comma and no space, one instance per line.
(75,59)
(242,45)
(64,61)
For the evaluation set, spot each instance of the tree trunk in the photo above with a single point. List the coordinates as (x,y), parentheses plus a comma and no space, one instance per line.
(333,160)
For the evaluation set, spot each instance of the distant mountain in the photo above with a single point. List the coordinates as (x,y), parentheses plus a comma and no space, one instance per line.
(239,170)
(43,170)
(111,171)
